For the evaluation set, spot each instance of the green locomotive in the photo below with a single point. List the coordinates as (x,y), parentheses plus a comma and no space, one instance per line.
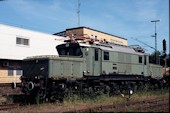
(89,69)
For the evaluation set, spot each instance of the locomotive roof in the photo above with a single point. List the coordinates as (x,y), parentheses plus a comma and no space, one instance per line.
(118,48)
(102,46)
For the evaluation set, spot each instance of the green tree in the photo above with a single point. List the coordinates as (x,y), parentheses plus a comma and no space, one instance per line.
(154,56)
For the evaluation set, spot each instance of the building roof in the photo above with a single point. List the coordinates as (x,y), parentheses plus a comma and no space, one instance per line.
(89,29)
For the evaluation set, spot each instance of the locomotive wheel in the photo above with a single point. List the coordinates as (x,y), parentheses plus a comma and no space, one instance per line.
(133,87)
(55,97)
(148,86)
(140,86)
(89,92)
(98,90)
(68,92)
(58,92)
(85,91)
(107,89)
(40,97)
(126,88)
(114,89)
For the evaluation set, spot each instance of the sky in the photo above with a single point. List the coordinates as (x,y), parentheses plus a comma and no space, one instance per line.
(129,19)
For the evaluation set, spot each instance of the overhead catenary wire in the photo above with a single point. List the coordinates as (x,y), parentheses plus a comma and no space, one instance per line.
(142,42)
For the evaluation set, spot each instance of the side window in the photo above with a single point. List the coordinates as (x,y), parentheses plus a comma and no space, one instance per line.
(18,41)
(22,41)
(26,42)
(140,59)
(96,54)
(106,55)
(145,60)
(10,72)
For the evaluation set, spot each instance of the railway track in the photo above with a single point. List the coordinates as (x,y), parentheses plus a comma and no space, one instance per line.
(6,107)
(6,89)
(5,84)
(161,105)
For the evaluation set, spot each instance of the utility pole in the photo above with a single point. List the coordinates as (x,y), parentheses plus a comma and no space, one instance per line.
(164,51)
(78,13)
(155,40)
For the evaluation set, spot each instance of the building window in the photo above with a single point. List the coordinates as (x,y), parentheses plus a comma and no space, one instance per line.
(18,41)
(140,59)
(18,72)
(22,41)
(96,54)
(10,72)
(106,55)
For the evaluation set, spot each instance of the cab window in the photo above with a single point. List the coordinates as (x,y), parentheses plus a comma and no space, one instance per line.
(69,50)
(140,59)
(106,55)
(96,54)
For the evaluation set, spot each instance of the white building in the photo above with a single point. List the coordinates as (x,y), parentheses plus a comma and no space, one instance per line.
(17,44)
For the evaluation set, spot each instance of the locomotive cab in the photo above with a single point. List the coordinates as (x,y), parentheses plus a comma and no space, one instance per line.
(69,50)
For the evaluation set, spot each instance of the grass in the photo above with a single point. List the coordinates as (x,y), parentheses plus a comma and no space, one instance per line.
(152,92)
(115,99)
(77,103)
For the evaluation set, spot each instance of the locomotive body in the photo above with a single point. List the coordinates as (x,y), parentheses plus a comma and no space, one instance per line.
(88,68)
(111,59)
(54,67)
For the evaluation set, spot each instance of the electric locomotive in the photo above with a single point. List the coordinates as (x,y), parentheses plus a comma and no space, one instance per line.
(91,68)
